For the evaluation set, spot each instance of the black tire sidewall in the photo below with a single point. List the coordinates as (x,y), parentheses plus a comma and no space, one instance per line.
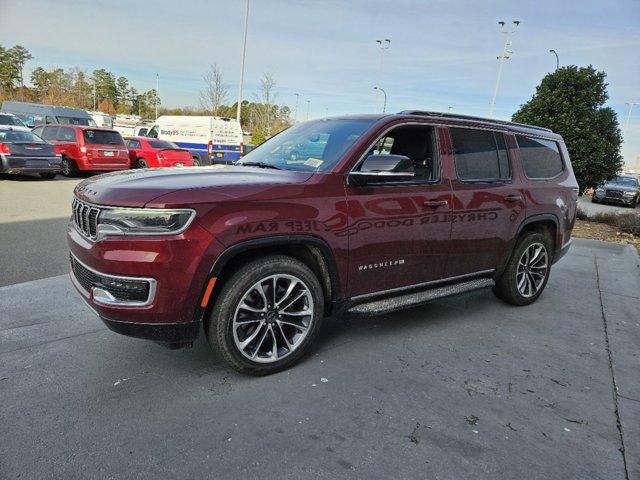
(141,163)
(219,326)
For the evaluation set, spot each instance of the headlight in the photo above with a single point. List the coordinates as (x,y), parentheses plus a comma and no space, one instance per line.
(629,194)
(600,190)
(143,221)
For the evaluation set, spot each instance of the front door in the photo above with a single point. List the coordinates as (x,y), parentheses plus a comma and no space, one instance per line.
(399,231)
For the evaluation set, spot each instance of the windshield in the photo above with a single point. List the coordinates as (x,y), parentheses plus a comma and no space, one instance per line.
(10,136)
(76,121)
(102,137)
(161,144)
(310,146)
(624,181)
(11,120)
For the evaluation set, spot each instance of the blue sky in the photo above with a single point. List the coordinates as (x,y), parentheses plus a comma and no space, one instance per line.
(442,53)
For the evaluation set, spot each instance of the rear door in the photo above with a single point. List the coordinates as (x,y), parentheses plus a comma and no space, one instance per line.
(487,206)
(66,141)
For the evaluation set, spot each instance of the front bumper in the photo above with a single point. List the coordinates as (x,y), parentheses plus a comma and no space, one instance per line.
(175,267)
(619,200)
(14,164)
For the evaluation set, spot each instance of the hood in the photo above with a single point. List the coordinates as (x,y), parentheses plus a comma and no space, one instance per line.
(135,188)
(620,188)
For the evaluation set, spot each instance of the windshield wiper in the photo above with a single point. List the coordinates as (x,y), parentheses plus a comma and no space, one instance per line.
(259,164)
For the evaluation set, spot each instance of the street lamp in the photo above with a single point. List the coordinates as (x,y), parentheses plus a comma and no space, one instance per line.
(384,44)
(501,59)
(384,105)
(157,89)
(295,112)
(244,50)
(308,108)
(557,59)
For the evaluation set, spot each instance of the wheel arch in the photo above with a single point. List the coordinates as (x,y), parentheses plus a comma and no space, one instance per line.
(312,251)
(545,223)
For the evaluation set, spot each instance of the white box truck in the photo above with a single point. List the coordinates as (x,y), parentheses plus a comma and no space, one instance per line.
(209,139)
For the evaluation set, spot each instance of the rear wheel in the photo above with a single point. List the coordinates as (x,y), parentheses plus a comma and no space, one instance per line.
(267,315)
(196,161)
(141,163)
(527,272)
(47,175)
(69,168)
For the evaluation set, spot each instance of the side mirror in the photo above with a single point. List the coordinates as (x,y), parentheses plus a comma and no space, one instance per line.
(383,169)
(30,123)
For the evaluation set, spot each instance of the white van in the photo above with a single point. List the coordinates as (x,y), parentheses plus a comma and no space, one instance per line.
(211,139)
(103,120)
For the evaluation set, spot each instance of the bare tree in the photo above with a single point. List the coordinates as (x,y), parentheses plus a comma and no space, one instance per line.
(215,91)
(265,109)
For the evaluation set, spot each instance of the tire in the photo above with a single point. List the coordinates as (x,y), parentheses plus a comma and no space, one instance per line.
(262,325)
(196,161)
(141,163)
(69,168)
(47,175)
(511,287)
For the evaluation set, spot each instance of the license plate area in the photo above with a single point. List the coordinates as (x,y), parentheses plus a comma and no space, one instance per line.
(109,153)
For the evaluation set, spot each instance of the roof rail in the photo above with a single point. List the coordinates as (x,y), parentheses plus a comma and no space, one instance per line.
(470,117)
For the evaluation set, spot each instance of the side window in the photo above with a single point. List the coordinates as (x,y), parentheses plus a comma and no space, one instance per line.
(50,133)
(38,131)
(480,155)
(153,133)
(66,134)
(49,120)
(416,142)
(133,144)
(540,158)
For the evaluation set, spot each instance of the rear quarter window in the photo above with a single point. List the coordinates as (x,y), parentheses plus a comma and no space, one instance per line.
(480,155)
(540,158)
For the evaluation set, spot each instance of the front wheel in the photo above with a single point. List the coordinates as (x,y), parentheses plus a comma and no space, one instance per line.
(527,271)
(267,315)
(141,163)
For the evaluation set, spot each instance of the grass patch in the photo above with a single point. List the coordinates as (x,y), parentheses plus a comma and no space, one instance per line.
(624,222)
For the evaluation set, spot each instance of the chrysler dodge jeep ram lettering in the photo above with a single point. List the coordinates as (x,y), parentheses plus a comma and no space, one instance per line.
(375,214)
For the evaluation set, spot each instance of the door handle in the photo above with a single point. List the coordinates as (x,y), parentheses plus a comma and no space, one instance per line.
(513,198)
(435,203)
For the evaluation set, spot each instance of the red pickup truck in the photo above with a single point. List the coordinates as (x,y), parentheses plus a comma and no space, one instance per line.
(86,148)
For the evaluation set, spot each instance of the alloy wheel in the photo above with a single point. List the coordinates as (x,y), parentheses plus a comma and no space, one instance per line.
(272,318)
(533,267)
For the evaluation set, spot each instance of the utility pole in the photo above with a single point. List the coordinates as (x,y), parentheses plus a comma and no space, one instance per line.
(557,59)
(157,91)
(449,109)
(295,111)
(308,108)
(94,94)
(384,44)
(326,111)
(501,59)
(244,51)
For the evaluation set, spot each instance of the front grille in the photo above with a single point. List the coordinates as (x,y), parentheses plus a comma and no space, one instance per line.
(85,218)
(122,289)
(613,193)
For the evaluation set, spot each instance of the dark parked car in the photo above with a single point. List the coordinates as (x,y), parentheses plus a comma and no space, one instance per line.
(622,189)
(394,211)
(23,152)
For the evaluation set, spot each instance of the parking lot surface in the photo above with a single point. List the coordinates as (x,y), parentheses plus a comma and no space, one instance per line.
(465,387)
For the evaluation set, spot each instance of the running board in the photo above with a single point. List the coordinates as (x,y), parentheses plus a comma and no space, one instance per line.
(399,302)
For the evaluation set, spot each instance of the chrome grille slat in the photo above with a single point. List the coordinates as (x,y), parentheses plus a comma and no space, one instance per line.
(85,218)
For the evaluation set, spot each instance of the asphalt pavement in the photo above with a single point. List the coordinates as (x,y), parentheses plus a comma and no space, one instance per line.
(466,387)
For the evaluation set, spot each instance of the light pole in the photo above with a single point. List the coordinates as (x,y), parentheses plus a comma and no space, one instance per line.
(557,59)
(295,111)
(94,94)
(157,87)
(384,44)
(244,51)
(505,51)
(326,111)
(384,105)
(308,108)
(626,123)
(449,109)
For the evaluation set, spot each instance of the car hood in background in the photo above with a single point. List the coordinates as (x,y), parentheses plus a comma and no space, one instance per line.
(135,188)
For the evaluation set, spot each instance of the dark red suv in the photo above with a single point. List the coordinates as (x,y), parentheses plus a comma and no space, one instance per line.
(363,214)
(86,148)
